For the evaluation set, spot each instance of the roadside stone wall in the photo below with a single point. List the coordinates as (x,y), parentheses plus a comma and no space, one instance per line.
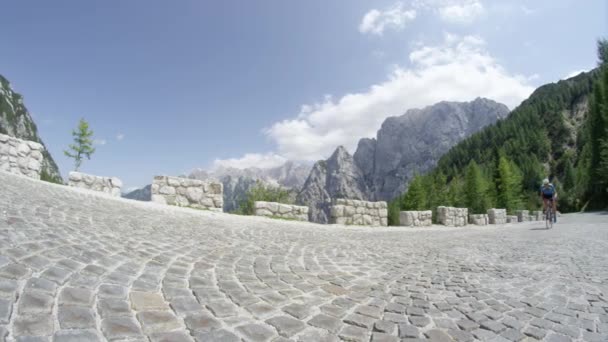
(450,216)
(416,218)
(522,215)
(537,215)
(497,216)
(108,185)
(20,157)
(479,219)
(355,212)
(512,219)
(185,192)
(286,211)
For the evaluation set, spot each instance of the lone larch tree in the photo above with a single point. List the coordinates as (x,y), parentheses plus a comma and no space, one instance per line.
(83,144)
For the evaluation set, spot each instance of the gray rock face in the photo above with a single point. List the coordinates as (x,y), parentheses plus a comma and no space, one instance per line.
(415,141)
(336,177)
(237,182)
(143,194)
(16,121)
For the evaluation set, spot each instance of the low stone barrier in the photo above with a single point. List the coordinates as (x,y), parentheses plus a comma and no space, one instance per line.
(186,192)
(537,215)
(450,216)
(512,219)
(479,219)
(522,215)
(286,211)
(416,218)
(346,211)
(108,185)
(497,216)
(20,157)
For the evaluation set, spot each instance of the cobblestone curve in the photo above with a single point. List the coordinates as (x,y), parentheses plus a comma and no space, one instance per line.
(77,266)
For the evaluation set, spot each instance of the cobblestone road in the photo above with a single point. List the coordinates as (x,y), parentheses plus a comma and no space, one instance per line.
(82,267)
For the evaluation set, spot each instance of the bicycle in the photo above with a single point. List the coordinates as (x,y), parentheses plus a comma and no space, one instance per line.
(549,214)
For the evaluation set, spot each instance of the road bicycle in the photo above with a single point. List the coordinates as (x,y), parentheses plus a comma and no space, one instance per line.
(549,214)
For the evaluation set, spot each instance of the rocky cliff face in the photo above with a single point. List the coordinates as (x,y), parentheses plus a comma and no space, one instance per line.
(238,181)
(382,167)
(16,121)
(143,194)
(336,177)
(414,142)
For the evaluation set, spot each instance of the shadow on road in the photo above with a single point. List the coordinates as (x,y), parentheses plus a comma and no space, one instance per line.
(539,228)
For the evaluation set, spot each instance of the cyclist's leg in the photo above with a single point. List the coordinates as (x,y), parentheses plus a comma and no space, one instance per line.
(554,209)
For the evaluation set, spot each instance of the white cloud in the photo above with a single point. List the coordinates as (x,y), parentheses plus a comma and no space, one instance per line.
(262,161)
(459,69)
(100,142)
(120,136)
(463,11)
(395,17)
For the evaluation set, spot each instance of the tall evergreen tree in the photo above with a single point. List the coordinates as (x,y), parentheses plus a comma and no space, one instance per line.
(83,144)
(415,198)
(508,185)
(475,190)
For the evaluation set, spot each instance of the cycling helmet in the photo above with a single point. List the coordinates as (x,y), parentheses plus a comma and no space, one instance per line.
(545,181)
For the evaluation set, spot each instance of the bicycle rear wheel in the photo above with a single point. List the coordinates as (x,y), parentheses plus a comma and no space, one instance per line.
(549,218)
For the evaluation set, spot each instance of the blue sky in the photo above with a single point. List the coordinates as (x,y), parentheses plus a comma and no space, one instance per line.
(172,86)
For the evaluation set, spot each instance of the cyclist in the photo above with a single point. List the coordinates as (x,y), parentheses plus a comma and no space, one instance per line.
(548,193)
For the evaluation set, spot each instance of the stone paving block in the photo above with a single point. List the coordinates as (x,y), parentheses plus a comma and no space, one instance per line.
(33,325)
(536,333)
(408,331)
(6,308)
(287,326)
(157,321)
(222,308)
(142,301)
(33,302)
(354,333)
(15,271)
(326,322)
(216,335)
(298,311)
(113,307)
(360,321)
(89,335)
(56,274)
(382,337)
(201,322)
(255,332)
(460,336)
(118,328)
(75,296)
(174,336)
(74,317)
(112,291)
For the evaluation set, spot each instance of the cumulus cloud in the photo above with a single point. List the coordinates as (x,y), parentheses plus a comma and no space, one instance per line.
(574,73)
(262,161)
(100,142)
(462,11)
(120,136)
(395,17)
(458,69)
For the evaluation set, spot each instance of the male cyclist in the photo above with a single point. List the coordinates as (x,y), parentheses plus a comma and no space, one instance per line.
(548,193)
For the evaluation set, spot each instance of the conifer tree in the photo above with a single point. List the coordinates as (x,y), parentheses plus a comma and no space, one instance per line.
(415,198)
(83,144)
(475,190)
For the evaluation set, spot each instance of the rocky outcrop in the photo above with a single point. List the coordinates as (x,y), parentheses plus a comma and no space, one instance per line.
(414,142)
(363,213)
(108,185)
(20,157)
(16,121)
(143,194)
(336,177)
(186,192)
(237,182)
(416,218)
(280,210)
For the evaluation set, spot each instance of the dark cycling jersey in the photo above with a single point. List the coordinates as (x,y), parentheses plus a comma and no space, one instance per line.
(548,191)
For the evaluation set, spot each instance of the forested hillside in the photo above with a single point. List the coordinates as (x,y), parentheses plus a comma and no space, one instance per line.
(559,132)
